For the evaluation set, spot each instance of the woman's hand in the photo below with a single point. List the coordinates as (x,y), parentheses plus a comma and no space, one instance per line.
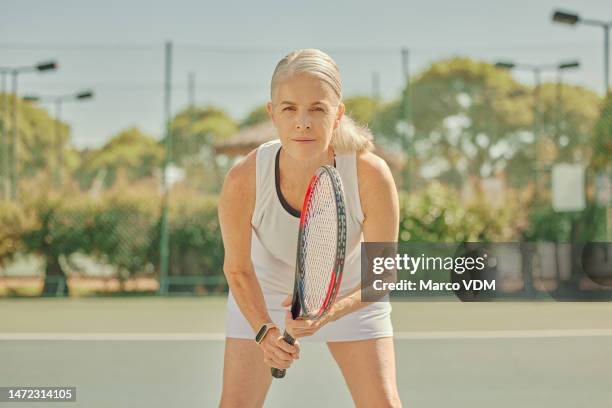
(303,327)
(277,352)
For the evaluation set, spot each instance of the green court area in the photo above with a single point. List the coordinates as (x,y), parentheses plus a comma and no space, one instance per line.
(168,352)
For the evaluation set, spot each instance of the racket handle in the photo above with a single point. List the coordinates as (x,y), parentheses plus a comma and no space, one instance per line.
(280,372)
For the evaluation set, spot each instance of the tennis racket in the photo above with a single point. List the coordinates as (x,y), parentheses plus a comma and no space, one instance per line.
(320,250)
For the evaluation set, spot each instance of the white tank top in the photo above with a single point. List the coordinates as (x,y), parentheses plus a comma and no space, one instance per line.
(275,225)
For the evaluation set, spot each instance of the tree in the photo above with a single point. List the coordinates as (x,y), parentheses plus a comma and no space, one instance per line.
(362,109)
(196,129)
(471,118)
(387,118)
(131,152)
(568,115)
(257,115)
(602,136)
(37,138)
(465,113)
(194,133)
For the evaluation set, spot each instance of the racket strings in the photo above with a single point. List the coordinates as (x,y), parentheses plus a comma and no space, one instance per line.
(319,245)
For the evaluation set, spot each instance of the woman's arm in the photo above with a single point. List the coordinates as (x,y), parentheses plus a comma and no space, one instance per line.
(236,206)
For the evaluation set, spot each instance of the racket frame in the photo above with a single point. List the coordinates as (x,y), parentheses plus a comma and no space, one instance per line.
(298,300)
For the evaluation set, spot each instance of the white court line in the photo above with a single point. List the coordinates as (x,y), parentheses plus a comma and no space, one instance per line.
(425,335)
(114,336)
(502,334)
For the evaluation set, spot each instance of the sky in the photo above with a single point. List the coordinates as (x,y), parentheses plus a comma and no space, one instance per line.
(116,48)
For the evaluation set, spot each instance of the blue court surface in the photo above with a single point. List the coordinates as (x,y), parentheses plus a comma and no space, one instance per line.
(156,352)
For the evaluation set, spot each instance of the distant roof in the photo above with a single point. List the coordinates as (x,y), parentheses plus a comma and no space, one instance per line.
(247,139)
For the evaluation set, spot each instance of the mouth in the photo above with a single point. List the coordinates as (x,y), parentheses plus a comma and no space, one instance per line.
(303,140)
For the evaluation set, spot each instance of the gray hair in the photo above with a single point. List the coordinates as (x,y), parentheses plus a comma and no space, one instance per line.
(348,136)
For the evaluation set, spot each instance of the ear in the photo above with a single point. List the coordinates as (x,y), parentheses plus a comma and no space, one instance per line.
(270,111)
(339,115)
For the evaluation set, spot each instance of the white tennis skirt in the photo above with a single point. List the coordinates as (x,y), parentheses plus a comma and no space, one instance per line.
(370,322)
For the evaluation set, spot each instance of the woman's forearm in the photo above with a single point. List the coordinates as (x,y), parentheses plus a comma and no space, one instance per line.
(352,302)
(249,297)
(347,304)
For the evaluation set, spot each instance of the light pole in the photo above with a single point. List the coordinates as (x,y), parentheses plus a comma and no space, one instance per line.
(191,141)
(164,242)
(58,101)
(558,92)
(537,72)
(191,88)
(14,72)
(4,167)
(573,19)
(407,129)
(375,99)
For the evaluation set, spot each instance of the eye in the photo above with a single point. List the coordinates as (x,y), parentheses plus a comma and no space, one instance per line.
(289,108)
(319,109)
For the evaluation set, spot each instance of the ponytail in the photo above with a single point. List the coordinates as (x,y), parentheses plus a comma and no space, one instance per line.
(351,137)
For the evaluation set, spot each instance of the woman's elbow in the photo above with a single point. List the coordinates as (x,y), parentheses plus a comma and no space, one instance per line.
(235,275)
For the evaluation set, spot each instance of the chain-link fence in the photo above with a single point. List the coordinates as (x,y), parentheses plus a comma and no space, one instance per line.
(473,151)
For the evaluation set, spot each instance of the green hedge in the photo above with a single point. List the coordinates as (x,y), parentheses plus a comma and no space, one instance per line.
(13,224)
(547,225)
(437,214)
(123,228)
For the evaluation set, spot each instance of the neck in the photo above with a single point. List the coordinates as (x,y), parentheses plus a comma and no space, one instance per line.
(302,170)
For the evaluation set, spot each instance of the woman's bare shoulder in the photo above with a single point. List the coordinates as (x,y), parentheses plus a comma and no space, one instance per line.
(371,169)
(377,190)
(240,180)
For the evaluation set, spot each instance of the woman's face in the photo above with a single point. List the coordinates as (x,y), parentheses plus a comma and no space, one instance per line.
(305,111)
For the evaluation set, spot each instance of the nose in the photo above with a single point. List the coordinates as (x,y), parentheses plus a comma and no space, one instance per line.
(303,123)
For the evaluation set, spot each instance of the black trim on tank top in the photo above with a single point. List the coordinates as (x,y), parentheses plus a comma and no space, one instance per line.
(292,211)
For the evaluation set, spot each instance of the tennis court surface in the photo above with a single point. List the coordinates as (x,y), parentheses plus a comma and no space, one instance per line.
(168,352)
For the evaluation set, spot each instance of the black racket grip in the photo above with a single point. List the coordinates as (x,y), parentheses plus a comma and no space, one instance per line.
(280,372)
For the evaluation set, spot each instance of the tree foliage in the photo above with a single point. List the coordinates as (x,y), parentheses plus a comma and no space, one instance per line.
(362,109)
(38,138)
(130,152)
(257,115)
(567,116)
(196,129)
(602,136)
(471,118)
